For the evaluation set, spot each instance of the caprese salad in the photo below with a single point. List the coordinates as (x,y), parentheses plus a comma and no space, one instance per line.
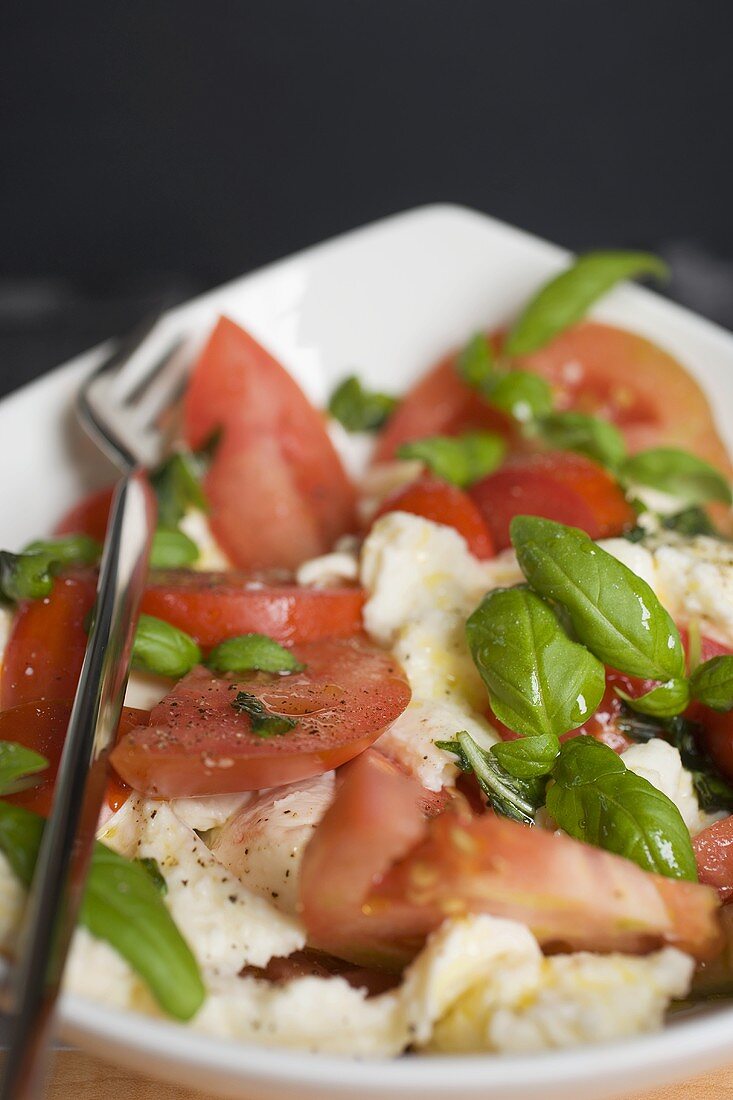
(435,758)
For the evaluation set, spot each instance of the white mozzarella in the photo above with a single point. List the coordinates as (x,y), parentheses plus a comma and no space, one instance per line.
(211,556)
(263,843)
(341,565)
(145,690)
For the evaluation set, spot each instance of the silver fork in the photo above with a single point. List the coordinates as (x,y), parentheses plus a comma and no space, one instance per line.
(121,406)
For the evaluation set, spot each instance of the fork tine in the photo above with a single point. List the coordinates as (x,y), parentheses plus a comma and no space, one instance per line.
(162,387)
(141,361)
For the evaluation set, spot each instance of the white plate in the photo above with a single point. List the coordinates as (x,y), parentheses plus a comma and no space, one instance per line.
(385,301)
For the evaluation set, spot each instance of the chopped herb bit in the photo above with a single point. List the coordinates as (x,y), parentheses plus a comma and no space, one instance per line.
(691,521)
(509,795)
(462,459)
(359,409)
(263,722)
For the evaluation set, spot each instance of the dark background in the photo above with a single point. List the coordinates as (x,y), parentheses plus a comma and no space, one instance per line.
(157,147)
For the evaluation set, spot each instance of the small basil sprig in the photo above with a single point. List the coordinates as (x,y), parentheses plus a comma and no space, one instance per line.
(567,298)
(177,486)
(521,394)
(594,797)
(462,459)
(248,652)
(587,435)
(713,793)
(476,363)
(712,683)
(613,611)
(515,784)
(539,681)
(30,574)
(163,649)
(690,522)
(359,409)
(263,722)
(172,549)
(663,701)
(678,473)
(18,766)
(123,906)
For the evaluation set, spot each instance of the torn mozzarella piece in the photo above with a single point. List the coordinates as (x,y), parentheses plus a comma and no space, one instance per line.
(341,565)
(145,690)
(226,925)
(208,811)
(263,844)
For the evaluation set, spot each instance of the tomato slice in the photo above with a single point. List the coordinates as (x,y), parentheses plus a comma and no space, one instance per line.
(714,854)
(571,895)
(198,744)
(443,503)
(89,516)
(374,820)
(440,403)
(276,488)
(624,378)
(42,726)
(214,606)
(47,641)
(558,485)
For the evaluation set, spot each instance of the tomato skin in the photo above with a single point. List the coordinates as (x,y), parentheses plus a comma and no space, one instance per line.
(47,642)
(198,744)
(557,485)
(276,488)
(89,516)
(443,503)
(713,849)
(622,377)
(214,606)
(440,403)
(42,726)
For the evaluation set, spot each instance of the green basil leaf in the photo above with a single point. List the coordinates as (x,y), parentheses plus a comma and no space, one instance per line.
(595,798)
(67,549)
(588,435)
(712,683)
(17,765)
(359,409)
(152,867)
(512,797)
(25,576)
(527,757)
(172,549)
(252,651)
(678,473)
(521,394)
(476,363)
(177,485)
(613,612)
(264,722)
(539,681)
(663,701)
(163,649)
(690,522)
(123,906)
(462,459)
(567,298)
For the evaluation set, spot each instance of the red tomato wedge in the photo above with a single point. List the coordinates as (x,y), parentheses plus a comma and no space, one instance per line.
(714,854)
(443,503)
(624,378)
(558,485)
(439,403)
(572,896)
(276,488)
(197,743)
(47,641)
(214,606)
(374,820)
(42,726)
(88,517)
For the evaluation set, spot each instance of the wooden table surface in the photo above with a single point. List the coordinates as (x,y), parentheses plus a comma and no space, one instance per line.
(82,1077)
